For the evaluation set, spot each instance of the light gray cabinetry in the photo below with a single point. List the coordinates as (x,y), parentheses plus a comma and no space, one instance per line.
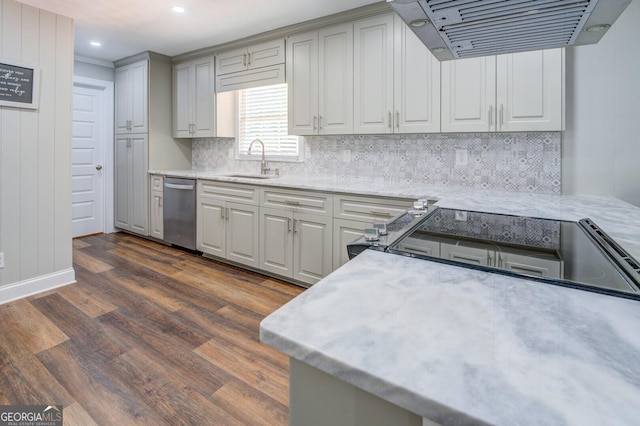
(156,207)
(251,57)
(143,138)
(296,234)
(228,221)
(194,99)
(320,81)
(132,183)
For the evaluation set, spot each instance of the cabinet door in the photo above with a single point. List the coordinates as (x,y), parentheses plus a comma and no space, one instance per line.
(139,97)
(122,99)
(468,95)
(122,176)
(265,54)
(344,232)
(242,234)
(335,80)
(276,241)
(182,100)
(156,226)
(211,229)
(540,265)
(373,75)
(204,99)
(231,61)
(302,83)
(312,245)
(139,184)
(529,91)
(416,84)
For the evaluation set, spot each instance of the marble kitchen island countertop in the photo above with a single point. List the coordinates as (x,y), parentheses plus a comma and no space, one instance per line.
(460,346)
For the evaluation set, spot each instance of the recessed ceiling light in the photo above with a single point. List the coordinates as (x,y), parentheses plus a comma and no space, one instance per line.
(438,49)
(178,9)
(419,23)
(96,44)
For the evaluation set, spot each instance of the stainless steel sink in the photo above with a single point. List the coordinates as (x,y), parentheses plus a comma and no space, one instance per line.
(251,176)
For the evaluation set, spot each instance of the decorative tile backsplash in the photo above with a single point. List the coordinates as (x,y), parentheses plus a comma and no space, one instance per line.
(519,162)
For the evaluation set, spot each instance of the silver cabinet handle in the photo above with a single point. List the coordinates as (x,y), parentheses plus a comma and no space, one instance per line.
(227,212)
(320,122)
(315,118)
(501,116)
(294,226)
(98,167)
(244,59)
(178,186)
(490,116)
(379,213)
(249,63)
(292,203)
(222,214)
(390,120)
(397,119)
(289,224)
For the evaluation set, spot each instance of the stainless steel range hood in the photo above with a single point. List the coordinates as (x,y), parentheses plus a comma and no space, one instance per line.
(455,29)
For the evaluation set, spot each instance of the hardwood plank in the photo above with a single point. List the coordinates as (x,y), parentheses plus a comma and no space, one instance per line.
(204,377)
(98,394)
(280,287)
(87,302)
(79,327)
(252,370)
(33,329)
(79,243)
(166,392)
(23,378)
(156,263)
(89,262)
(75,415)
(257,408)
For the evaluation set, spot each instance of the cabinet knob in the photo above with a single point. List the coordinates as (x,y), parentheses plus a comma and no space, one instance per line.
(98,167)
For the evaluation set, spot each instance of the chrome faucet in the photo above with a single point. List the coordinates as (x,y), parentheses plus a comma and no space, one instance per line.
(263,164)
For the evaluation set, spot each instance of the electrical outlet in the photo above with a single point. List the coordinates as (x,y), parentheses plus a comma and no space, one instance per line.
(461,216)
(1,260)
(462,157)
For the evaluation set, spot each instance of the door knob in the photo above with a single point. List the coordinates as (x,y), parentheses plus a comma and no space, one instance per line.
(98,167)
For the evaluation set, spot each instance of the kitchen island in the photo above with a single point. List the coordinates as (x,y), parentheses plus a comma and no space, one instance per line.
(459,346)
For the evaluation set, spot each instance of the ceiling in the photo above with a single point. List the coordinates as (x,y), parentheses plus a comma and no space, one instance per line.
(127,27)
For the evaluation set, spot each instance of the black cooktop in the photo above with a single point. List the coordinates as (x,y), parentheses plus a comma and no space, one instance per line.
(575,254)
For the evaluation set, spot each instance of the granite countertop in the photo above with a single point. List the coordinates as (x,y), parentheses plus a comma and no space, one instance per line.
(460,346)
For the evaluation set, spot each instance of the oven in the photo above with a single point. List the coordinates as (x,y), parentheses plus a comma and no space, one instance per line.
(573,254)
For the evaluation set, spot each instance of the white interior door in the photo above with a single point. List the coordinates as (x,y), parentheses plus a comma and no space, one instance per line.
(88,161)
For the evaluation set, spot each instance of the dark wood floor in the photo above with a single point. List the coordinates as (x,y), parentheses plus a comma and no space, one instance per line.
(147,335)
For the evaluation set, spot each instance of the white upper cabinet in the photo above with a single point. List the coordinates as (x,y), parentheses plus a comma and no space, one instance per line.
(396,79)
(247,58)
(515,92)
(529,91)
(320,81)
(194,99)
(373,75)
(416,84)
(132,88)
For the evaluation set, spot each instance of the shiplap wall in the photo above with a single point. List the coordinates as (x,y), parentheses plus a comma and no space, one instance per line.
(35,156)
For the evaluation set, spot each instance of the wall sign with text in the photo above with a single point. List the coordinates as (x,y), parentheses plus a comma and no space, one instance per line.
(18,84)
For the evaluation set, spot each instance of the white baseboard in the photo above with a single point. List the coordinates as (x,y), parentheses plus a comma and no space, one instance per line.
(37,285)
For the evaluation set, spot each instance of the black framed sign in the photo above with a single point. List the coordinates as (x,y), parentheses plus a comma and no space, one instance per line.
(18,84)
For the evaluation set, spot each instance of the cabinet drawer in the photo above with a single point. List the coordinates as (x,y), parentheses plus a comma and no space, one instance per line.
(370,209)
(157,182)
(303,201)
(228,191)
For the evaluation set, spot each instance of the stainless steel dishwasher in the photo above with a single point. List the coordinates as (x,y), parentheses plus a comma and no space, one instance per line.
(180,212)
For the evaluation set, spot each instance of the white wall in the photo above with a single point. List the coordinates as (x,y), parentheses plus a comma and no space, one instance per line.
(35,156)
(601,147)
(84,67)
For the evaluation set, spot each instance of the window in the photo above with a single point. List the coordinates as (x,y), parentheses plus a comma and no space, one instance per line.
(262,114)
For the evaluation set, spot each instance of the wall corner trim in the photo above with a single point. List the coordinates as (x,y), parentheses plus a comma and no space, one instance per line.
(36,285)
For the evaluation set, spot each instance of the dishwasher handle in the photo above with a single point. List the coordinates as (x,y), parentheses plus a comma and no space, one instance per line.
(178,186)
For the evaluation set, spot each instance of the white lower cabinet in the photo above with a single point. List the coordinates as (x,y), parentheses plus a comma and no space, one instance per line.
(295,245)
(156,214)
(226,227)
(344,232)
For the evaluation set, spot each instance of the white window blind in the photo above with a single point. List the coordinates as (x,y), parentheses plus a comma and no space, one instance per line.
(262,115)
